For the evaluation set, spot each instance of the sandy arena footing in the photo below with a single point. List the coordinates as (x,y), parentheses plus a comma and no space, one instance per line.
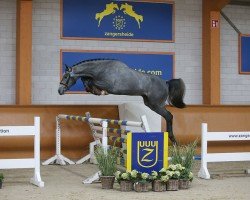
(65,183)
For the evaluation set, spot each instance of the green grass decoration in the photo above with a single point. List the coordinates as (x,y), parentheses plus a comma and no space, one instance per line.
(184,155)
(106,160)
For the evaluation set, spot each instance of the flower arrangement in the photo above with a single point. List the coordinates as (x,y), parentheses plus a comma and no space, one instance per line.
(141,181)
(123,176)
(186,175)
(161,175)
(174,171)
(141,177)
(125,179)
(159,180)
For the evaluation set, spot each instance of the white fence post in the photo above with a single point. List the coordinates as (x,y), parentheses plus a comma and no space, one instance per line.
(220,157)
(27,162)
(203,170)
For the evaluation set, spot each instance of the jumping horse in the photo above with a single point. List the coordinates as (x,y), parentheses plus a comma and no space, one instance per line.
(106,76)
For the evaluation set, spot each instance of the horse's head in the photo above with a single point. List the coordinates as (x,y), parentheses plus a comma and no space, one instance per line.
(67,80)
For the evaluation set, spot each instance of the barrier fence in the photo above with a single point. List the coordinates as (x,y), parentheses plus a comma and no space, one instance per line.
(220,157)
(99,128)
(11,131)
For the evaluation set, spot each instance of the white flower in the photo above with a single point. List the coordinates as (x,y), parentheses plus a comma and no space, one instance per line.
(163,170)
(154,175)
(172,167)
(125,176)
(134,173)
(190,176)
(144,175)
(117,174)
(177,173)
(169,173)
(164,178)
(179,167)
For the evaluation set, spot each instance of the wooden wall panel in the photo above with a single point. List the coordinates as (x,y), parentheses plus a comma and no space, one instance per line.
(76,135)
(187,124)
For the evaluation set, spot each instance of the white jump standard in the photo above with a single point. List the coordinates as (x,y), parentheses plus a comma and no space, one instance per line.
(220,157)
(27,162)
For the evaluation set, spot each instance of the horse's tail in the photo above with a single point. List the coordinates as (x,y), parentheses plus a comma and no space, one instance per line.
(176,93)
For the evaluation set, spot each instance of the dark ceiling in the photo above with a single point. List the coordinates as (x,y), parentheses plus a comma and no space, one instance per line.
(240,2)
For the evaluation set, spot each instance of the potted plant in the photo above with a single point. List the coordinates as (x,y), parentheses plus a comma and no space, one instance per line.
(106,158)
(184,155)
(1,180)
(125,180)
(173,172)
(186,177)
(159,180)
(142,181)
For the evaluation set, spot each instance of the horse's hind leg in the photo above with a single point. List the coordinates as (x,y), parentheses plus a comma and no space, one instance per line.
(161,110)
(169,120)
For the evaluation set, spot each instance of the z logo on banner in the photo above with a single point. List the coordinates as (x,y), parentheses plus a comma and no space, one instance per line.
(127,9)
(147,153)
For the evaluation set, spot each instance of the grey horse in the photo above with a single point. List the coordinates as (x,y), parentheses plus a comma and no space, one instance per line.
(106,76)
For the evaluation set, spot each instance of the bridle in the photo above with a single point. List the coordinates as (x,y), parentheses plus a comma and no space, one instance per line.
(66,82)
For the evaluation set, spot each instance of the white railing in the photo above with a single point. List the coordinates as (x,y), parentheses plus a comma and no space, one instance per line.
(27,162)
(220,157)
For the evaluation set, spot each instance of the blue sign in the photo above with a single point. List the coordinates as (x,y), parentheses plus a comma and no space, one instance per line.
(117,20)
(244,54)
(160,64)
(147,151)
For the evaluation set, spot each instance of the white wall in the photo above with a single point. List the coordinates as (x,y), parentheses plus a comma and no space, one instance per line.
(7,51)
(235,87)
(47,45)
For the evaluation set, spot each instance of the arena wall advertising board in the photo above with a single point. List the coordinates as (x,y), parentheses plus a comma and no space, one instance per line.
(157,63)
(244,54)
(118,20)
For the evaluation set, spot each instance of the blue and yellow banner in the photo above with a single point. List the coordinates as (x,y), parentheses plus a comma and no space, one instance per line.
(117,20)
(244,57)
(157,63)
(147,151)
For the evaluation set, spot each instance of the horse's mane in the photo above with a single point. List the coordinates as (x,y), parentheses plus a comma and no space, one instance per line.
(92,60)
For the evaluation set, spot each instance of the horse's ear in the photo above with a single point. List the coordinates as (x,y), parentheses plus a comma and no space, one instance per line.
(67,68)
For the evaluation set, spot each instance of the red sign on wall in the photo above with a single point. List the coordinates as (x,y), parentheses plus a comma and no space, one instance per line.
(215,23)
